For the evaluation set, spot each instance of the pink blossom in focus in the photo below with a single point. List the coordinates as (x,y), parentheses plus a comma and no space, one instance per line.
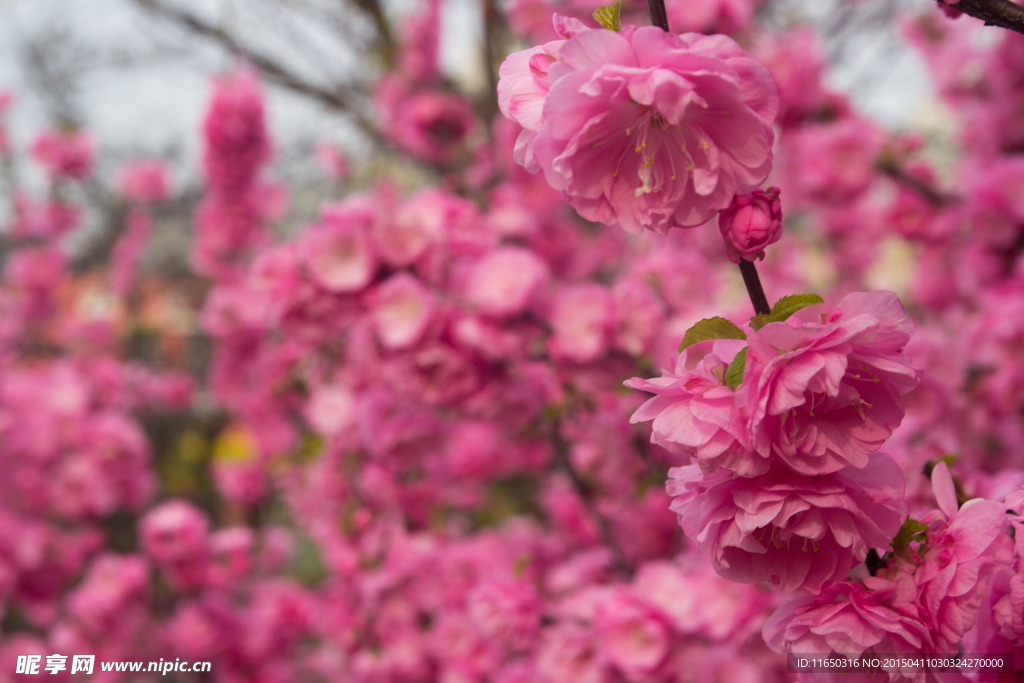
(624,126)
(797,532)
(751,223)
(695,412)
(949,574)
(820,395)
(64,155)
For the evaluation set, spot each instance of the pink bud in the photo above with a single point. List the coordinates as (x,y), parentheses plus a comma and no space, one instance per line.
(751,223)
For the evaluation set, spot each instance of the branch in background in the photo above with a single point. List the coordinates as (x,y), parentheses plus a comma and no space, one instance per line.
(387,41)
(492,22)
(1002,13)
(338,99)
(934,197)
(586,494)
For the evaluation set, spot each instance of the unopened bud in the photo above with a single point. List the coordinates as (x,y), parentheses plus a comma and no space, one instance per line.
(751,223)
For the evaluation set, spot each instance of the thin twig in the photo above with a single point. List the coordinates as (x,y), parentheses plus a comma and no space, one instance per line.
(338,99)
(1002,13)
(754,288)
(934,197)
(586,494)
(659,17)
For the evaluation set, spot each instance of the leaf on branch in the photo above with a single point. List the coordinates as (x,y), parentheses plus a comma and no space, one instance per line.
(758,321)
(788,305)
(734,373)
(608,16)
(711,328)
(912,530)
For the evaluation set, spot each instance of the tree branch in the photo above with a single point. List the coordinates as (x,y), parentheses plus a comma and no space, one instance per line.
(1002,13)
(338,99)
(387,41)
(934,197)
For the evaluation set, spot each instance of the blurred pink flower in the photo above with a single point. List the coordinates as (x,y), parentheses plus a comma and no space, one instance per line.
(401,308)
(504,282)
(580,315)
(144,181)
(64,155)
(338,251)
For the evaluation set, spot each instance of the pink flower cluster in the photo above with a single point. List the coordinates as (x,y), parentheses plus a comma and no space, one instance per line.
(783,464)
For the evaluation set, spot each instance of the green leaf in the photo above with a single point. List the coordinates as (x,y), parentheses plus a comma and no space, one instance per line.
(734,373)
(711,328)
(758,321)
(912,530)
(608,16)
(788,305)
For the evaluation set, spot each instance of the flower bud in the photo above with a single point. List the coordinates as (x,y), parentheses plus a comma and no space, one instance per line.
(751,223)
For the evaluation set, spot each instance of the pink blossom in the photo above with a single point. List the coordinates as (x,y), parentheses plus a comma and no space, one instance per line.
(642,129)
(174,534)
(794,531)
(64,155)
(144,181)
(505,280)
(128,251)
(237,143)
(832,162)
(696,600)
(848,618)
(331,409)
(332,161)
(695,410)
(403,235)
(338,251)
(638,317)
(821,395)
(634,637)
(506,610)
(950,572)
(715,16)
(402,308)
(580,316)
(751,223)
(429,124)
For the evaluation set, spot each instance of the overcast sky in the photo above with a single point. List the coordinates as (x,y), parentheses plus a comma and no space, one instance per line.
(155,105)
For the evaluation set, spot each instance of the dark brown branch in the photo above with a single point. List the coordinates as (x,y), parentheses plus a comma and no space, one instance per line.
(492,20)
(934,197)
(387,41)
(659,17)
(1002,13)
(333,98)
(754,288)
(586,494)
